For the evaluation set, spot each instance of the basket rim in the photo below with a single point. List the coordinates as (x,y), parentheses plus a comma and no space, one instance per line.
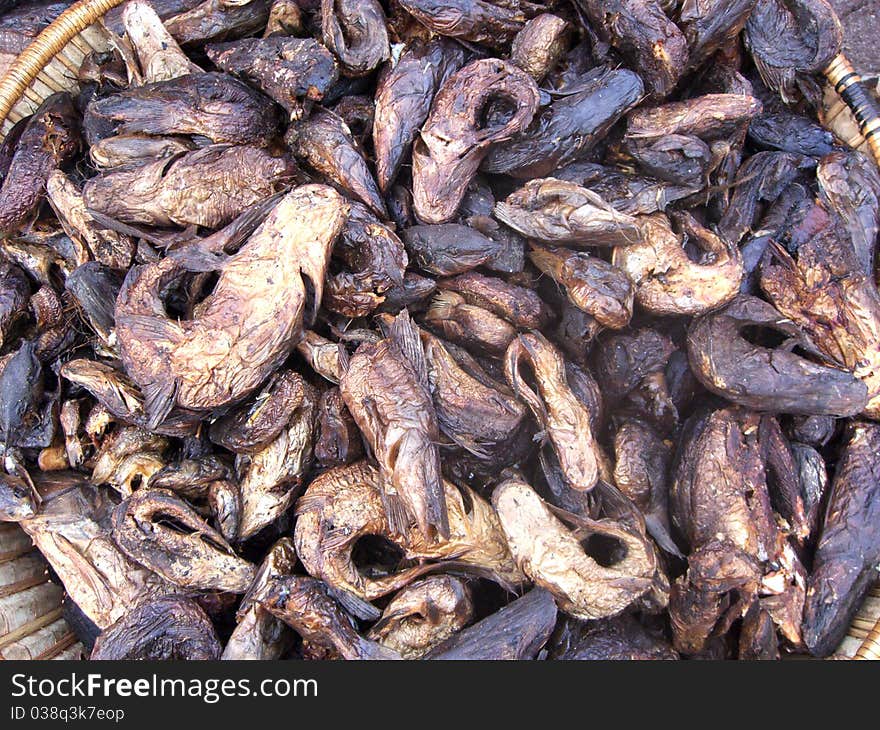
(48,43)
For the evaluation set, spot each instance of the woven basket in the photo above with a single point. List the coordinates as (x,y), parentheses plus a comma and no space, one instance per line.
(50,64)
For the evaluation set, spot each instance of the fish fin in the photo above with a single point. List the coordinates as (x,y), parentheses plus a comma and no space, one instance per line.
(343,358)
(396,513)
(159,397)
(355,605)
(405,334)
(164,336)
(658,531)
(374,651)
(161,333)
(198,259)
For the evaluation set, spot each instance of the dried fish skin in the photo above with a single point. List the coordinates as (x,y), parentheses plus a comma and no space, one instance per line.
(621,638)
(519,305)
(212,105)
(208,187)
(110,248)
(322,355)
(709,117)
(790,37)
(667,281)
(239,337)
(468,325)
(565,419)
(338,439)
(15,292)
(356,32)
(679,159)
(163,629)
(491,23)
(343,505)
(319,615)
(454,140)
(569,128)
(325,143)
(762,378)
(709,25)
(134,149)
(557,211)
(72,531)
(845,564)
(448,249)
(403,99)
(17,499)
(424,614)
(555,559)
(642,463)
(258,634)
(787,132)
(50,138)
(270,477)
(517,631)
(719,488)
(252,425)
(849,184)
(289,70)
(826,293)
(476,413)
(159,530)
(645,37)
(386,390)
(594,286)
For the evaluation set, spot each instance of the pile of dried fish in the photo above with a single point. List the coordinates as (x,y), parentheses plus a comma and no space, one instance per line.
(444,330)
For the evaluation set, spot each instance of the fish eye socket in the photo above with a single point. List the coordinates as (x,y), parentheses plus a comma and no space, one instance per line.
(761,336)
(606,550)
(496,111)
(376,555)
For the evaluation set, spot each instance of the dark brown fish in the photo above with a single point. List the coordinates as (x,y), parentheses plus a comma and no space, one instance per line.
(162,629)
(325,144)
(448,248)
(355,31)
(385,386)
(569,127)
(490,23)
(161,531)
(825,291)
(517,631)
(403,99)
(621,638)
(594,286)
(454,139)
(338,440)
(49,140)
(292,71)
(252,425)
(765,378)
(846,558)
(540,44)
(645,36)
(212,105)
(787,38)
